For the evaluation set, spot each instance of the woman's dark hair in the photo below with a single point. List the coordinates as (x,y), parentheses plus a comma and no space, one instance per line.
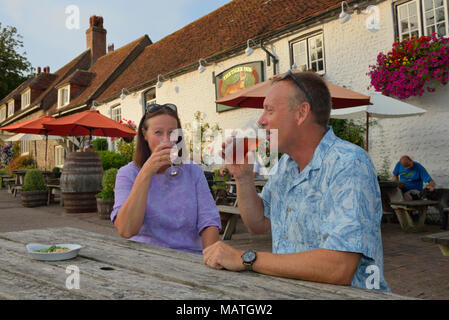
(143,152)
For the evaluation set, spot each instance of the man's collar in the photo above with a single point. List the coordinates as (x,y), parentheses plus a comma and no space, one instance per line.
(321,150)
(323,147)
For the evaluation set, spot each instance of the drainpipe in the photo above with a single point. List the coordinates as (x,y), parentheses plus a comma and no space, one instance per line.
(275,60)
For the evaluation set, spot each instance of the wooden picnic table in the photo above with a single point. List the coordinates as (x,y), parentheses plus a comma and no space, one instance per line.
(20,176)
(116,268)
(403,210)
(441,239)
(232,221)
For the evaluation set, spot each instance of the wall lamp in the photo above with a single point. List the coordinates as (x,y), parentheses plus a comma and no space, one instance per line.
(201,68)
(123,94)
(344,16)
(249,51)
(159,82)
(95,105)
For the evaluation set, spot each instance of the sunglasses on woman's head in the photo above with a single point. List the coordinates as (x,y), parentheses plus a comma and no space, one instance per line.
(153,107)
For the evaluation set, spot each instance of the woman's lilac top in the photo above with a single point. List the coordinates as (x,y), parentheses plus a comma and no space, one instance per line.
(177,209)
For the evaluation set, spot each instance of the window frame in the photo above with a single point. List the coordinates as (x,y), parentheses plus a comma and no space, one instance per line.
(307,39)
(62,104)
(59,156)
(112,112)
(10,104)
(446,16)
(24,147)
(3,108)
(421,17)
(26,93)
(145,102)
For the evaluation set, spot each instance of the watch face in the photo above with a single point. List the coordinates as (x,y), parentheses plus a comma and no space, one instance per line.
(249,256)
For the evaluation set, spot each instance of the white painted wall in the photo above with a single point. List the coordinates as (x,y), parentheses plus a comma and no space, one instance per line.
(349,50)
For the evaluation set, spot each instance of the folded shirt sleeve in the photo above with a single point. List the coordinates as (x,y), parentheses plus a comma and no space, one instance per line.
(124,182)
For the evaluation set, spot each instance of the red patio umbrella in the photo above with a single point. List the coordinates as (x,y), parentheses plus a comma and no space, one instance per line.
(89,123)
(35,126)
(253,97)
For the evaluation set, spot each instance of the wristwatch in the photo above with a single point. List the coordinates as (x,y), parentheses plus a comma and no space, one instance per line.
(248,258)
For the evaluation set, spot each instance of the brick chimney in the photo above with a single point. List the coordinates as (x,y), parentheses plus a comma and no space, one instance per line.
(96,38)
(110,47)
(38,70)
(47,69)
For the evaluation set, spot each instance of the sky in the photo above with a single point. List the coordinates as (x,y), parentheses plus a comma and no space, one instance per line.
(54,31)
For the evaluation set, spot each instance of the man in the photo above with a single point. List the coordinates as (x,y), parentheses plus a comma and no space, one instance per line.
(322,200)
(414,174)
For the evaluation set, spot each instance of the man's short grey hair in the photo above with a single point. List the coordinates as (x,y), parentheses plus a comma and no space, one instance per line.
(321,101)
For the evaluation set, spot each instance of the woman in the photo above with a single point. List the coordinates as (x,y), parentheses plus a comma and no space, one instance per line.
(151,207)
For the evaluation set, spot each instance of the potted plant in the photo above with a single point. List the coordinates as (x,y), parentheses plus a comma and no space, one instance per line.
(34,191)
(105,199)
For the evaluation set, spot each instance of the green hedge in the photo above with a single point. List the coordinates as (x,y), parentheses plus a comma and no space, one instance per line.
(108,184)
(111,159)
(34,180)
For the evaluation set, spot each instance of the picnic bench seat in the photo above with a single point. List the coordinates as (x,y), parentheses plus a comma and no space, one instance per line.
(9,183)
(4,178)
(441,239)
(51,197)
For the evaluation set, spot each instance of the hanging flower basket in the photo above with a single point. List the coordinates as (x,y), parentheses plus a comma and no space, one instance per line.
(412,67)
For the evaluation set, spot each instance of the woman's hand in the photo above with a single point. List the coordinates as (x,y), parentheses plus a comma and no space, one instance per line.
(159,158)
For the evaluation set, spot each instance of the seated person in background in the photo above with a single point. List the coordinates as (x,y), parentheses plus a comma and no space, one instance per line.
(179,213)
(414,174)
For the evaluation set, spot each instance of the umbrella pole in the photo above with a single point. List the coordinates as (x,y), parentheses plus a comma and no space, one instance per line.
(367,131)
(46,145)
(35,152)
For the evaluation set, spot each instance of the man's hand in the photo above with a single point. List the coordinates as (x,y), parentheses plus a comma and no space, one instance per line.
(221,256)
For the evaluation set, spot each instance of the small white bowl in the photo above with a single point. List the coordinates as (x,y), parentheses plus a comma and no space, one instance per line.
(52,256)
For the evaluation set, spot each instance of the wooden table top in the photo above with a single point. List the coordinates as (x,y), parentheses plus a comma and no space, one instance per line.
(115,268)
(391,184)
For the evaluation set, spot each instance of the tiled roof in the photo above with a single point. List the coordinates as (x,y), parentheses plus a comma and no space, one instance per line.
(106,69)
(17,90)
(49,96)
(79,77)
(48,81)
(226,28)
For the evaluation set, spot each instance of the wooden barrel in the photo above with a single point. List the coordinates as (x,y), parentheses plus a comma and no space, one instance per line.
(81,181)
(31,199)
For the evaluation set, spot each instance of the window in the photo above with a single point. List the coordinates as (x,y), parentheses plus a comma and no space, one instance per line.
(3,113)
(26,98)
(59,156)
(24,147)
(435,17)
(423,17)
(63,96)
(10,108)
(308,53)
(150,96)
(117,113)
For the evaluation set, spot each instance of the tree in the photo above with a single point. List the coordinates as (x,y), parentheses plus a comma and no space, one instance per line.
(13,65)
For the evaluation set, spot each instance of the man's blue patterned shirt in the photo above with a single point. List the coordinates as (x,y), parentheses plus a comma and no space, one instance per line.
(334,203)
